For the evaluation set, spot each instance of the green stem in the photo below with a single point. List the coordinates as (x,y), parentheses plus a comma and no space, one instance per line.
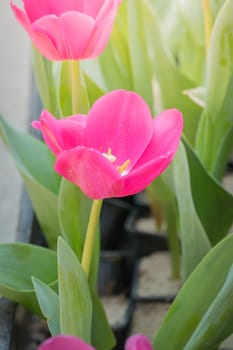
(75,78)
(207,22)
(90,236)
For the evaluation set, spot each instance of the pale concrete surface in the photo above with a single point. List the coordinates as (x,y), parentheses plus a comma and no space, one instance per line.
(14,93)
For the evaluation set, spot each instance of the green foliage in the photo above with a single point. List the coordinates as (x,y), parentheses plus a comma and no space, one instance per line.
(201,299)
(46,82)
(194,242)
(74,211)
(217,323)
(214,140)
(49,305)
(75,301)
(101,326)
(35,163)
(18,263)
(213,204)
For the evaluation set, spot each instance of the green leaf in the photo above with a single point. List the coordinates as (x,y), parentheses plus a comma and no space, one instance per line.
(32,156)
(171,81)
(93,90)
(43,71)
(197,95)
(214,205)
(195,297)
(49,305)
(214,141)
(217,323)
(74,294)
(101,326)
(137,48)
(194,242)
(18,263)
(74,211)
(35,163)
(220,59)
(71,85)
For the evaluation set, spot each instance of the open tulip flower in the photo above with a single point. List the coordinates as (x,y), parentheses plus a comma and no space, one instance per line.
(117,149)
(67,342)
(68,29)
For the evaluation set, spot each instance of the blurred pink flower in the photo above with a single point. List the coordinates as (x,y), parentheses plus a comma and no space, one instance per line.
(67,342)
(138,342)
(68,29)
(117,149)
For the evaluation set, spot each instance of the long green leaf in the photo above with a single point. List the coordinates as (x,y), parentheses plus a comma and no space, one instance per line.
(74,211)
(69,75)
(35,163)
(220,59)
(45,81)
(74,294)
(217,323)
(195,297)
(214,142)
(194,242)
(171,81)
(214,205)
(49,305)
(18,263)
(101,326)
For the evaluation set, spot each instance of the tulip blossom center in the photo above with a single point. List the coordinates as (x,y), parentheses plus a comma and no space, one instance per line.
(121,168)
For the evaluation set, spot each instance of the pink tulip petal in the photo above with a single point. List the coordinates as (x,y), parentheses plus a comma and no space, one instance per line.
(91,171)
(65,342)
(69,32)
(41,41)
(62,134)
(121,121)
(139,178)
(102,28)
(138,342)
(36,9)
(71,29)
(167,130)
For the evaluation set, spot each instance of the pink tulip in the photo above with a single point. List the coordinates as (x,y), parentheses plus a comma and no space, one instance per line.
(138,342)
(67,342)
(117,149)
(68,29)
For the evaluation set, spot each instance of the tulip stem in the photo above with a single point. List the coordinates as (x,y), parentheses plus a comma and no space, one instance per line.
(75,78)
(90,236)
(207,22)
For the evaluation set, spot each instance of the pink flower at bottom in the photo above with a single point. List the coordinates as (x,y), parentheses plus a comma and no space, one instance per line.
(138,342)
(67,342)
(117,149)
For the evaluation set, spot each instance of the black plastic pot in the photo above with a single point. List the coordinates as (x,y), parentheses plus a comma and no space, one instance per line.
(139,242)
(115,273)
(112,219)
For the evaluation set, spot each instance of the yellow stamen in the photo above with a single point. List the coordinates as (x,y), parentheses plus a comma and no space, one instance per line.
(109,155)
(124,166)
